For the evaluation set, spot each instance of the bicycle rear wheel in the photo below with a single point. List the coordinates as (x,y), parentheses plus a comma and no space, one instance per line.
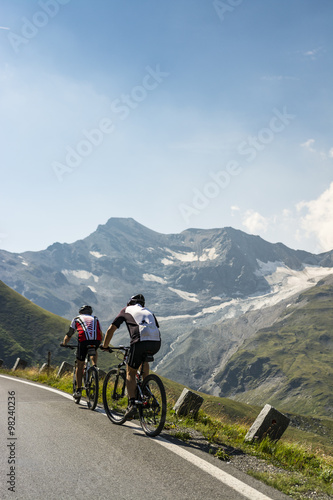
(76,400)
(153,408)
(114,396)
(92,387)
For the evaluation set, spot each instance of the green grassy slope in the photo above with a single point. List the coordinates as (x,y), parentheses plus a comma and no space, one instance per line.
(28,331)
(289,365)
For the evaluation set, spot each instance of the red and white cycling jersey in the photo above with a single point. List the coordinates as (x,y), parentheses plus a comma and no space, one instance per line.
(88,327)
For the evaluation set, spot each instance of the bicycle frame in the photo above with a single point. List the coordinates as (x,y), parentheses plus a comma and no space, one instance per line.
(120,365)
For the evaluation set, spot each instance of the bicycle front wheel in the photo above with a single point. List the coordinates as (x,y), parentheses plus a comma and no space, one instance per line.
(92,387)
(114,396)
(153,408)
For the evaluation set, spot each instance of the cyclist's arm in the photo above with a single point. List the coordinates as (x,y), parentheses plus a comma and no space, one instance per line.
(156,321)
(68,335)
(108,336)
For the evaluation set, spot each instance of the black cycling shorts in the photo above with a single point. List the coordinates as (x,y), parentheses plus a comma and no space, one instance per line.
(138,349)
(82,348)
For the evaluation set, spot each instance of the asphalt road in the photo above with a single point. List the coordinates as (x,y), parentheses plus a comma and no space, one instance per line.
(55,449)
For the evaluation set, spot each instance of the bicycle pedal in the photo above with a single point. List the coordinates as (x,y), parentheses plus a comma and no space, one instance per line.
(131,412)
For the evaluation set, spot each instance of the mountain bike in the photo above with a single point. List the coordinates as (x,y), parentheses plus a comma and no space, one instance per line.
(150,395)
(90,378)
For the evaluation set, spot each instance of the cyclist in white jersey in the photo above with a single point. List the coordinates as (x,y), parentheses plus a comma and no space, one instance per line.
(145,336)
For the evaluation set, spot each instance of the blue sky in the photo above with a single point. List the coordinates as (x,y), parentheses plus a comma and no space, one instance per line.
(185,113)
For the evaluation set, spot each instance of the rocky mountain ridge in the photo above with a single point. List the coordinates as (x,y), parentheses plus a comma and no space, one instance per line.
(180,273)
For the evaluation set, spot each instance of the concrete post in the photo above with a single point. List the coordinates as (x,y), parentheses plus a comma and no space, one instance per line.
(64,367)
(270,422)
(44,368)
(188,403)
(20,364)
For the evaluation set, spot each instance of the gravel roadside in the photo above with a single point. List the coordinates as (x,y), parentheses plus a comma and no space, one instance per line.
(236,457)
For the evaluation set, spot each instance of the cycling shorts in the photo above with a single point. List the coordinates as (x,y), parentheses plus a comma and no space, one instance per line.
(138,349)
(82,348)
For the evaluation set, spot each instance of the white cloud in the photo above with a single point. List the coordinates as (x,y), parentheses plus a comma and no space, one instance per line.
(318,219)
(308,145)
(307,225)
(254,222)
(312,54)
(234,210)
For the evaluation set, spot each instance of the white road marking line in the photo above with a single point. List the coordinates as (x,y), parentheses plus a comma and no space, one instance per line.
(219,474)
(51,389)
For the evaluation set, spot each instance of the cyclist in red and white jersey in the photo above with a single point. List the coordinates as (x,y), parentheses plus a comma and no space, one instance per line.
(89,333)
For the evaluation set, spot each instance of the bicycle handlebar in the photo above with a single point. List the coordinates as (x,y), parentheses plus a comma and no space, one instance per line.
(111,349)
(108,349)
(70,346)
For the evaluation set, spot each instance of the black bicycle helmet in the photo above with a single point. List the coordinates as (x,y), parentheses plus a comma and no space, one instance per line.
(136,299)
(85,310)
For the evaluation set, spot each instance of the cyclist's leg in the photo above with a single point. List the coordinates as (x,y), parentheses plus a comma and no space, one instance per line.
(80,357)
(95,357)
(145,370)
(150,347)
(137,351)
(79,373)
(134,362)
(131,381)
